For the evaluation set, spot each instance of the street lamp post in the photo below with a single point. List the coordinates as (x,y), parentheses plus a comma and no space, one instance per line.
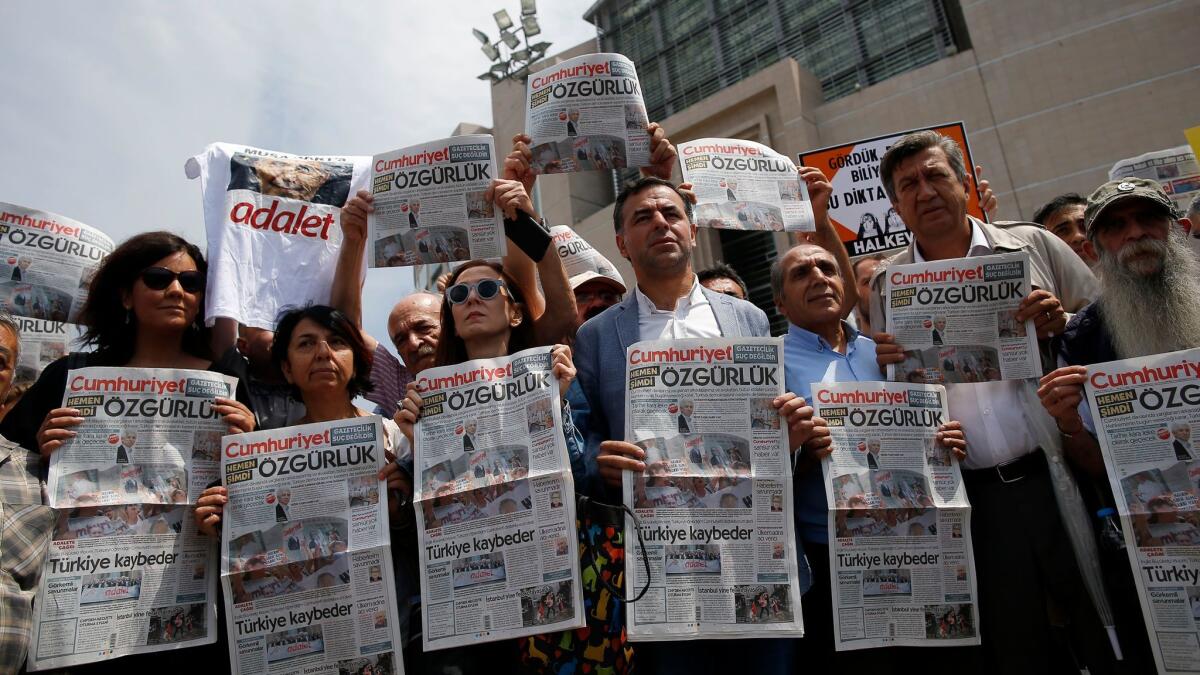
(513,61)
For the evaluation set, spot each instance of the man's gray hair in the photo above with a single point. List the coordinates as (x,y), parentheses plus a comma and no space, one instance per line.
(1193,212)
(912,144)
(7,321)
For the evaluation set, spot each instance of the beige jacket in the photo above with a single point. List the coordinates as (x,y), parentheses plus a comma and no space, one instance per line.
(1053,265)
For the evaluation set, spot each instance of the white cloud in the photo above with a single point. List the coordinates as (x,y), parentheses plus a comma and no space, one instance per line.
(105,101)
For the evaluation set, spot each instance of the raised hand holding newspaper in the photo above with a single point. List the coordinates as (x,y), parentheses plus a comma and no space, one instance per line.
(1144,412)
(431,204)
(495,503)
(306,561)
(126,572)
(900,557)
(957,320)
(743,185)
(715,499)
(587,114)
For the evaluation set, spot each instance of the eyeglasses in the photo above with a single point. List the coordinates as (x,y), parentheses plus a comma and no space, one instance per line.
(607,297)
(486,289)
(158,278)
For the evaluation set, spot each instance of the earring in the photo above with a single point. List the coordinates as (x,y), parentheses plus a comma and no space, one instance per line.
(515,322)
(128,316)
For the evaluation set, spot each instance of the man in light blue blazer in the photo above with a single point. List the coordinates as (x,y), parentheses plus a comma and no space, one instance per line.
(655,233)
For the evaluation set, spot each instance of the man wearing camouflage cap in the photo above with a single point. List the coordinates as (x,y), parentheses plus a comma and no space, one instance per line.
(1149,303)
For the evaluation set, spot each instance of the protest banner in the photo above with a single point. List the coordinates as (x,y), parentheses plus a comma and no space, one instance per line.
(1175,169)
(715,500)
(274,227)
(957,320)
(306,562)
(46,263)
(495,503)
(1144,411)
(900,559)
(743,185)
(585,114)
(431,204)
(859,207)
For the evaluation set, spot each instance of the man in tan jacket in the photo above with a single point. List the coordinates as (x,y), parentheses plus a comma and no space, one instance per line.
(1024,559)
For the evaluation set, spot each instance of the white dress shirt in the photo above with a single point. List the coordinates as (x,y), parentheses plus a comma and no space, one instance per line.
(692,317)
(991,413)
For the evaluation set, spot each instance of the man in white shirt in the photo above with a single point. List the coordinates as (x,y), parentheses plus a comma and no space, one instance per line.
(1023,556)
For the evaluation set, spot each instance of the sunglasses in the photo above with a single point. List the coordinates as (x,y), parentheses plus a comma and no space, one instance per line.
(158,278)
(486,289)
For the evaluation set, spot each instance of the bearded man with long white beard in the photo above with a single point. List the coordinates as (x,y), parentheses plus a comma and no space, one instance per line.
(1149,303)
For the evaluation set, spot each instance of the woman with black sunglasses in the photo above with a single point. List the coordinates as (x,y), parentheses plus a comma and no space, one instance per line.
(145,309)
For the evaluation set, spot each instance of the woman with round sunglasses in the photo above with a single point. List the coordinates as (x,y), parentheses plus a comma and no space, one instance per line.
(145,309)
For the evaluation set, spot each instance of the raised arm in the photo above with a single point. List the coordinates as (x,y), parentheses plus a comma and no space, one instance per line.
(826,235)
(346,294)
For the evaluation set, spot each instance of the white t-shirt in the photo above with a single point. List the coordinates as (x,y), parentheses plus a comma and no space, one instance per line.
(274,228)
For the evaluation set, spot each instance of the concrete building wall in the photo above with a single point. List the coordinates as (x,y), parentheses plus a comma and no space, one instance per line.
(1052,94)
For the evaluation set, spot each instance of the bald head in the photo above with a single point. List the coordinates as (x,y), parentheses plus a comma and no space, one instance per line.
(414,326)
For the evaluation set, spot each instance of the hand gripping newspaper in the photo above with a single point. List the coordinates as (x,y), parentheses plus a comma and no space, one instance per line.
(715,500)
(126,572)
(431,204)
(495,503)
(743,185)
(1144,412)
(306,563)
(586,114)
(956,320)
(46,262)
(900,558)
(274,227)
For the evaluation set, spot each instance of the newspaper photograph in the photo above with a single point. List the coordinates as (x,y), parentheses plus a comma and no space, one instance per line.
(715,500)
(431,204)
(1175,169)
(306,562)
(743,185)
(957,320)
(149,436)
(273,223)
(1144,411)
(900,557)
(495,503)
(587,114)
(123,579)
(42,342)
(46,263)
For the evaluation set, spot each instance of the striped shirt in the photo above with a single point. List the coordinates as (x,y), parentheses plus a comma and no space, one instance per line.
(25,529)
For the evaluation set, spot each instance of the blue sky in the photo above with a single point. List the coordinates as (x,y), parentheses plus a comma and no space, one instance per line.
(104,101)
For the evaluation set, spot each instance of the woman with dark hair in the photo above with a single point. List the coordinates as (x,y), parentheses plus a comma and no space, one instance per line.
(323,356)
(145,309)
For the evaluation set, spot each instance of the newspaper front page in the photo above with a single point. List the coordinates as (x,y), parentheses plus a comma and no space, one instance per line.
(123,579)
(42,342)
(126,571)
(957,320)
(431,204)
(149,436)
(495,503)
(273,221)
(1175,169)
(46,262)
(587,113)
(743,185)
(900,557)
(578,256)
(306,563)
(715,500)
(1146,411)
